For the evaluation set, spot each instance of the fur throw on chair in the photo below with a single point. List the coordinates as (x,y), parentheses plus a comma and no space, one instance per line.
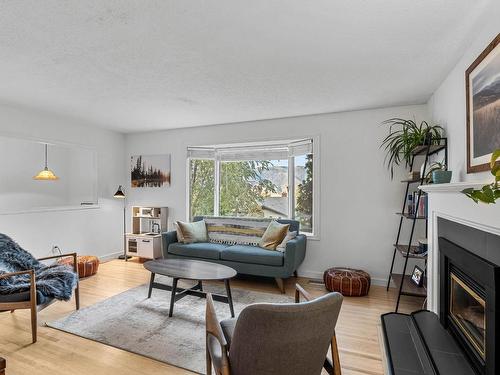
(53,281)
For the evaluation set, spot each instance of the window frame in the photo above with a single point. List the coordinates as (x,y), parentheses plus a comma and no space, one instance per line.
(315,235)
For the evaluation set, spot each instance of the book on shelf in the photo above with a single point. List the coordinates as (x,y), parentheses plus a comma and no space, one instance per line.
(419,205)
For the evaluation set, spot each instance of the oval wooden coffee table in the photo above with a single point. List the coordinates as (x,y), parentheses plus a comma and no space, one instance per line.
(190,270)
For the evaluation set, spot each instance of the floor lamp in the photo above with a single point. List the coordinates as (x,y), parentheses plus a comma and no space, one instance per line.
(121,195)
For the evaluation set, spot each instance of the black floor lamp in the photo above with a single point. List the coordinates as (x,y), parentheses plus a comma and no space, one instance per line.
(121,195)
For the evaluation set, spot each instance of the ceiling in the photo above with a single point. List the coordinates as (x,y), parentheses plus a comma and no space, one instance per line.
(140,65)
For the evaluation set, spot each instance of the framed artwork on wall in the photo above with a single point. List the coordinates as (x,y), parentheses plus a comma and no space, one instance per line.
(150,170)
(482,87)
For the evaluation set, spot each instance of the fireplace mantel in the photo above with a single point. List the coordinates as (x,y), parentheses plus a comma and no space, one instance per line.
(447,201)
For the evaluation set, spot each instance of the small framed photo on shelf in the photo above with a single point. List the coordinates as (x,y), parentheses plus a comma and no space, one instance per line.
(417,276)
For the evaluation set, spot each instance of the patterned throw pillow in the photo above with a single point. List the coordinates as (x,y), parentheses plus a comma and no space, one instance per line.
(193,232)
(236,230)
(289,236)
(274,235)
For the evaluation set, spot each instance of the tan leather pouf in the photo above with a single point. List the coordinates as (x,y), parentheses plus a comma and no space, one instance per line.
(347,281)
(87,264)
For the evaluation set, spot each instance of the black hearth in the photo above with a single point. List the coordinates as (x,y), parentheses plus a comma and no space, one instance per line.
(468,296)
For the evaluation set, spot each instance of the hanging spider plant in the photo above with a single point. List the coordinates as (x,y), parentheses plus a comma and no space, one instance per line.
(404,136)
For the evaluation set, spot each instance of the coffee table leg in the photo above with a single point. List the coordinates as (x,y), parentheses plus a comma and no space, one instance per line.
(151,281)
(229,297)
(200,285)
(172,297)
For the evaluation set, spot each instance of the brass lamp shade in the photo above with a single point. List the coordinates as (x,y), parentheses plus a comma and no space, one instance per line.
(46,174)
(119,193)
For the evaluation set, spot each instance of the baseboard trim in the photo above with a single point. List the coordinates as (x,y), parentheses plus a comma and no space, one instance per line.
(110,256)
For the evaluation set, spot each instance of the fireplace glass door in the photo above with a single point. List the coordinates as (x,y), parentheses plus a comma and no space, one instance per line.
(467,309)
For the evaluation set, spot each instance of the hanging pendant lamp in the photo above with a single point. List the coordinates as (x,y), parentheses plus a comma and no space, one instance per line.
(46,174)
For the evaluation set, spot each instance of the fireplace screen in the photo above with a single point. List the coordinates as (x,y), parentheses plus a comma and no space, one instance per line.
(467,310)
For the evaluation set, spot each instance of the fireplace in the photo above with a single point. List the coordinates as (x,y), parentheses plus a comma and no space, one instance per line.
(469,305)
(467,311)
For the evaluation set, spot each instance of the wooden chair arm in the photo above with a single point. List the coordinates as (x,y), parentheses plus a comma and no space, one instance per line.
(301,291)
(219,360)
(74,255)
(331,368)
(213,326)
(2,366)
(10,274)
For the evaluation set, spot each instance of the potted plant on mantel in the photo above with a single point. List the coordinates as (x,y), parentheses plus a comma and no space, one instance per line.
(404,136)
(488,193)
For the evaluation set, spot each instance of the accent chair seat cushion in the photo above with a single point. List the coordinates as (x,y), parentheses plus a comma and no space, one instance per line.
(204,250)
(23,297)
(253,255)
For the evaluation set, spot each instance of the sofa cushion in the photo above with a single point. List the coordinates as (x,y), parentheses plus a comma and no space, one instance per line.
(253,255)
(197,250)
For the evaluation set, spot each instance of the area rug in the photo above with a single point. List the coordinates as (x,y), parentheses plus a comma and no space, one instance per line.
(132,322)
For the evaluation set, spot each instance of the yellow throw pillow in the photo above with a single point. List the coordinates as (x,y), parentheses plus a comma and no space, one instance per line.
(193,232)
(274,235)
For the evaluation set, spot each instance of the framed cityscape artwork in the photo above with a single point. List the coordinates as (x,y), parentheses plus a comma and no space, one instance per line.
(482,86)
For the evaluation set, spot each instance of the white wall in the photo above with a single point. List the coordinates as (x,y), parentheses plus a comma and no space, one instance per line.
(357,197)
(447,104)
(91,231)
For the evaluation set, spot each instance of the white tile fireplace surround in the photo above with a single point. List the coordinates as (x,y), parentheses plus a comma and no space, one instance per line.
(447,201)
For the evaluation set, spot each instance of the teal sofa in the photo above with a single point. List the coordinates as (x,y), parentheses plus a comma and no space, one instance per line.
(245,259)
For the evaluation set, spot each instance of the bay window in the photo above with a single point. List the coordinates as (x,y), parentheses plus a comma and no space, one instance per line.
(272,180)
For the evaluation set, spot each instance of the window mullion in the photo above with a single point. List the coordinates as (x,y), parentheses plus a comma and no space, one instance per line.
(291,187)
(217,187)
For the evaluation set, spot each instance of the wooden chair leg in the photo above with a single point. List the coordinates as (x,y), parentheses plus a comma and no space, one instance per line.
(77,297)
(209,361)
(281,284)
(34,324)
(77,289)
(335,357)
(33,302)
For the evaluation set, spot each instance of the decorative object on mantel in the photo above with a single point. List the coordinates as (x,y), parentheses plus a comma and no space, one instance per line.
(488,193)
(438,173)
(482,86)
(150,170)
(347,281)
(46,174)
(405,136)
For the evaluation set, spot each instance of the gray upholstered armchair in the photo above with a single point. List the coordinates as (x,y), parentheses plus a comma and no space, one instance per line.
(275,339)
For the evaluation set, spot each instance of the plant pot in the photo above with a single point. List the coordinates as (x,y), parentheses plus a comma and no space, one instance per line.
(441,177)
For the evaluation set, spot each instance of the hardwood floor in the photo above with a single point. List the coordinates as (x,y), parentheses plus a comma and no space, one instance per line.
(59,353)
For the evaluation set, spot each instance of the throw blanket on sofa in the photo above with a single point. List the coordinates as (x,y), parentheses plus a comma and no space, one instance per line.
(54,281)
(235,230)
